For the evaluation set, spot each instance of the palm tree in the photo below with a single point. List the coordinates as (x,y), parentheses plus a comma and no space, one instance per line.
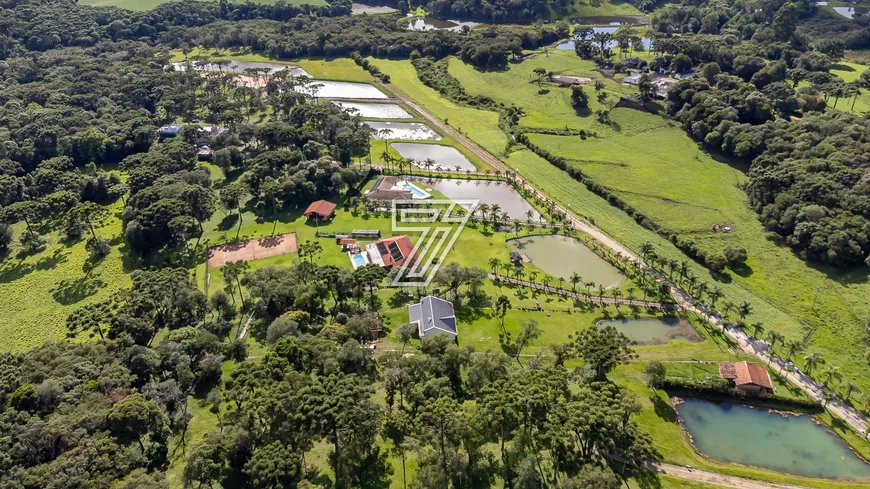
(630,293)
(692,281)
(792,348)
(830,373)
(684,268)
(701,289)
(530,215)
(600,293)
(532,276)
(812,361)
(575,279)
(519,273)
(560,282)
(773,337)
(507,269)
(757,329)
(495,264)
(546,281)
(672,266)
(484,209)
(827,397)
(850,387)
(715,294)
(646,249)
(517,227)
(744,309)
(728,306)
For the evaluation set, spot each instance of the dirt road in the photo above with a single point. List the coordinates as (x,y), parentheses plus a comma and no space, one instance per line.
(851,416)
(723,480)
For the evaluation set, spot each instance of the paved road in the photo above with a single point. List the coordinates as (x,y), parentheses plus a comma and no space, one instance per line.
(855,419)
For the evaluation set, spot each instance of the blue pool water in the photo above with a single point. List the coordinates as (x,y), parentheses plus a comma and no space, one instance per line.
(358,260)
(416,191)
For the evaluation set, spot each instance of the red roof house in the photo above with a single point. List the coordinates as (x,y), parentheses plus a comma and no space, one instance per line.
(320,211)
(391,252)
(746,376)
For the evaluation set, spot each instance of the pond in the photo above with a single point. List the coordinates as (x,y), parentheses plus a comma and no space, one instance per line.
(654,331)
(338,89)
(446,157)
(487,191)
(360,8)
(240,66)
(610,20)
(851,12)
(562,256)
(569,45)
(432,24)
(783,442)
(403,130)
(377,111)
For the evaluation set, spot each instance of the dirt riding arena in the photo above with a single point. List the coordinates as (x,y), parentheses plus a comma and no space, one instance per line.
(253,249)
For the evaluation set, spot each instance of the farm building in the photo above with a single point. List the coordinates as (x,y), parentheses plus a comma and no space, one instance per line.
(746,376)
(321,210)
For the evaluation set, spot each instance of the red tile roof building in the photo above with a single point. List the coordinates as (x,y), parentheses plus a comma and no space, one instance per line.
(320,210)
(391,252)
(746,376)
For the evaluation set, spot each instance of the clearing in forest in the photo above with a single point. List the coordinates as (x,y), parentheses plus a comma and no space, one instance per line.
(252,249)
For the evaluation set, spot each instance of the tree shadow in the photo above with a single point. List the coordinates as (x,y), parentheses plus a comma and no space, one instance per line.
(842,67)
(663,409)
(742,270)
(69,291)
(229,222)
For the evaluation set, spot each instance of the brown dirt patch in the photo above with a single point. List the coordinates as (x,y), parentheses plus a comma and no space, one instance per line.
(252,249)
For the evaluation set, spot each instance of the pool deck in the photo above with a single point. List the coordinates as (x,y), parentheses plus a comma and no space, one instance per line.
(353,263)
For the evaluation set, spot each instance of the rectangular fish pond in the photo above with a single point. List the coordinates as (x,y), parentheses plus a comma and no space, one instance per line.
(562,256)
(447,157)
(340,89)
(376,110)
(403,130)
(654,331)
(782,442)
(489,192)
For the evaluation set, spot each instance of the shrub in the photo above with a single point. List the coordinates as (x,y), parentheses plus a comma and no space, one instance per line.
(735,254)
(98,248)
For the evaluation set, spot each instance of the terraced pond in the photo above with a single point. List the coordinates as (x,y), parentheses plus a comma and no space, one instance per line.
(432,24)
(447,157)
(654,331)
(784,442)
(338,89)
(569,45)
(486,191)
(403,130)
(562,256)
(240,66)
(377,111)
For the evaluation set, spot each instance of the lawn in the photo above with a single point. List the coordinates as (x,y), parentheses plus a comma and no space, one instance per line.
(38,292)
(550,104)
(141,5)
(587,8)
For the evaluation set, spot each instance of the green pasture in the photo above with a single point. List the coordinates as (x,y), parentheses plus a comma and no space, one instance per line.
(38,292)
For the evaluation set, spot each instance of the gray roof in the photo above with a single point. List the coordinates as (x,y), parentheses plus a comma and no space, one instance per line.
(433,315)
(170,129)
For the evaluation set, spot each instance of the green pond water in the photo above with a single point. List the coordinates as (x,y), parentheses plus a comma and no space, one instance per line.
(654,331)
(562,256)
(786,443)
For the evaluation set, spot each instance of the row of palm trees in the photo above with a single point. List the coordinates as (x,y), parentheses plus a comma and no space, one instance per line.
(830,375)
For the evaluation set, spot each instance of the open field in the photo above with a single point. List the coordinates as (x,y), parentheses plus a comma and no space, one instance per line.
(141,5)
(38,292)
(663,179)
(253,249)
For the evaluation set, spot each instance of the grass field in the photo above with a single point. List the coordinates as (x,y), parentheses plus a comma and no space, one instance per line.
(661,164)
(142,5)
(38,292)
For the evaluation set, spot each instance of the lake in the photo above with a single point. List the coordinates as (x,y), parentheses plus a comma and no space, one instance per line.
(562,256)
(240,66)
(487,191)
(654,331)
(377,111)
(404,130)
(783,442)
(359,9)
(432,24)
(447,157)
(569,45)
(351,90)
(851,12)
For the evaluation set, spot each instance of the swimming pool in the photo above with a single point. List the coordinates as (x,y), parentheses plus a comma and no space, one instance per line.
(358,260)
(416,192)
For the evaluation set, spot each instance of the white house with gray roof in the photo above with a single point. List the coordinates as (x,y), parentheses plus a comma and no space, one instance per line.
(432,316)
